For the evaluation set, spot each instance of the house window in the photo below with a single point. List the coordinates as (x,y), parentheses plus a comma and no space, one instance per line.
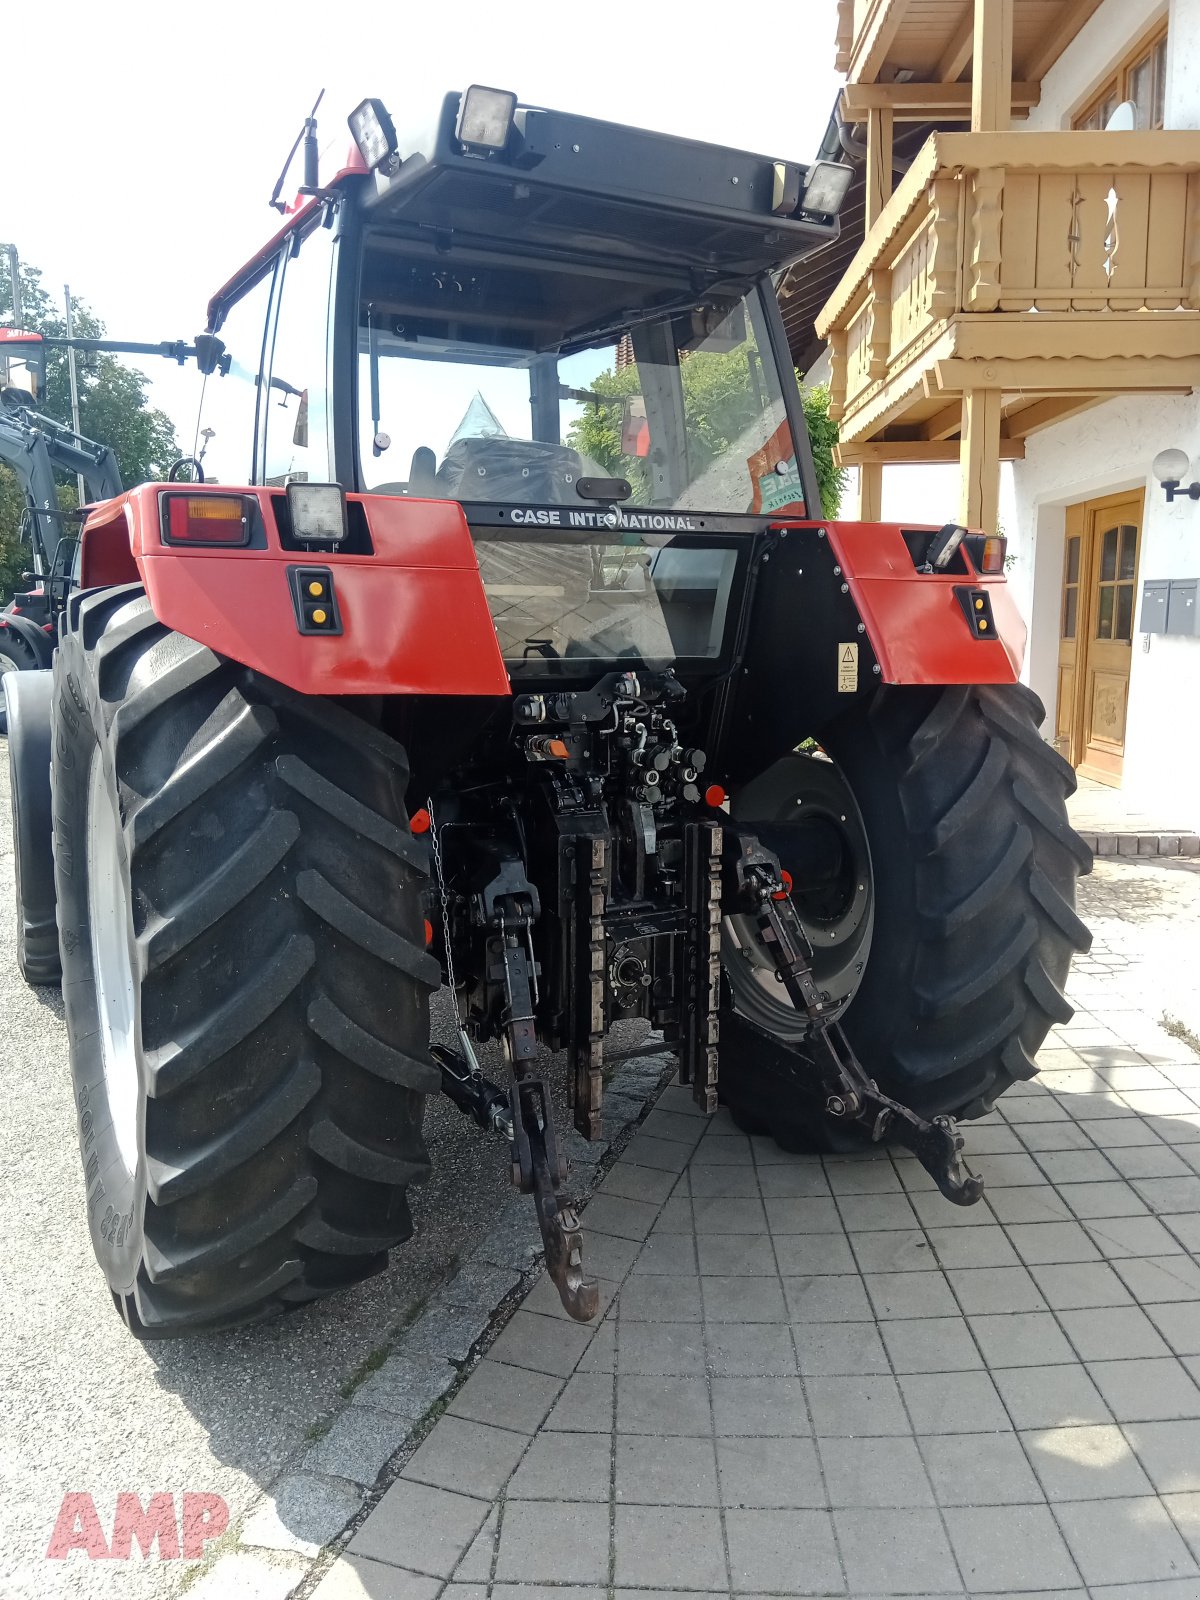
(1141,77)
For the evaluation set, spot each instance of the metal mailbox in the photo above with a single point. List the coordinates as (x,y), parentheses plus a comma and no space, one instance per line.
(1155,593)
(1181,607)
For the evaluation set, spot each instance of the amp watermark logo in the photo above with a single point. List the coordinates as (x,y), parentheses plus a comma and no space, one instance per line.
(175,1527)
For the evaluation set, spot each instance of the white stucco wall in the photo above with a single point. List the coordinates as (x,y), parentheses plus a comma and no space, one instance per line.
(1091,55)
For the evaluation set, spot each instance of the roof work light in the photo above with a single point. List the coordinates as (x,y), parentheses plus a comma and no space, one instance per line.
(373,132)
(825,187)
(317,512)
(485,118)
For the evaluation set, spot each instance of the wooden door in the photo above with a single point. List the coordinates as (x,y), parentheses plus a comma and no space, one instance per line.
(1095,648)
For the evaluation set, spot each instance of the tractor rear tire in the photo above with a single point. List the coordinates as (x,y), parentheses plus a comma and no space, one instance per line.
(244,974)
(973,866)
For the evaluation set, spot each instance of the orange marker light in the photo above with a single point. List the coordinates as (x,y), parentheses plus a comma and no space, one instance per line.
(428,931)
(420,821)
(783,893)
(316,589)
(714,795)
(320,617)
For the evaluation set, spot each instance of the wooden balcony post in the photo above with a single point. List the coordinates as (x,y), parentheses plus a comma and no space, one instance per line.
(991,67)
(979,459)
(880,127)
(870,491)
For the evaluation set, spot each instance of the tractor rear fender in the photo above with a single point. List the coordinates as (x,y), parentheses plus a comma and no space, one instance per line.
(409,611)
(841,608)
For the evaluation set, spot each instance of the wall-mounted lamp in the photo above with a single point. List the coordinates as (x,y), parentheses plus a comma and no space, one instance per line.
(1170,468)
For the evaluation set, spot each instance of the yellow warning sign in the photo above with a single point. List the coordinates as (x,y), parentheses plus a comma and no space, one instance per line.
(847,668)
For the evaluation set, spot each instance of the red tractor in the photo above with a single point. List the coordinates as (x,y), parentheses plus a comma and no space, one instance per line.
(512,651)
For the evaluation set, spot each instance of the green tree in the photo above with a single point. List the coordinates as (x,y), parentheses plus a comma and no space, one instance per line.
(112,409)
(720,403)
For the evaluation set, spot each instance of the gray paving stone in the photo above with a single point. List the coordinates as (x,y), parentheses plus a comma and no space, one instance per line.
(601,1354)
(1076,1166)
(302,1512)
(662,1124)
(629,1182)
(506,1397)
(728,1216)
(1038,1137)
(420,1528)
(543,1542)
(564,1466)
(815,1255)
(725,1182)
(935,1211)
(650,1299)
(685,1474)
(543,1344)
(1028,1339)
(969,1471)
(1088,1200)
(874,1472)
(931,1344)
(406,1386)
(740,1255)
(763,1548)
(356,1578)
(854,1407)
(628,1219)
(1149,1161)
(663,1406)
(468,1457)
(1170,1453)
(953,1402)
(1161,1278)
(973,1247)
(609,1257)
(1179,1325)
(544,1297)
(669,1349)
(853,1175)
(770,1473)
(1050,1397)
(885,1212)
(910,1294)
(359,1444)
(662,1546)
(900,1250)
(1117,1237)
(667,1255)
(1124,1541)
(585,1405)
(743,1300)
(839,1349)
(751,1350)
(803,1216)
(1147,1390)
(841,1298)
(1184,1510)
(1043,1243)
(1112,1333)
(758,1407)
(475,1567)
(664,1155)
(1076,1286)
(1042,1204)
(898,1550)
(794,1182)
(985,1290)
(1009,1548)
(1085,1463)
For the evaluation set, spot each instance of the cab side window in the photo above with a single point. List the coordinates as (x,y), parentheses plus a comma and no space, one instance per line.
(295,400)
(230,409)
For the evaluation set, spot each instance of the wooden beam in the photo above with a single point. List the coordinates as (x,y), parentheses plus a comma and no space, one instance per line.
(1068,19)
(991,72)
(926,102)
(879,163)
(870,492)
(958,52)
(881,452)
(944,424)
(1116,374)
(869,50)
(979,459)
(1045,413)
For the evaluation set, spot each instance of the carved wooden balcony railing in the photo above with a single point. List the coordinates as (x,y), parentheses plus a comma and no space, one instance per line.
(1054,268)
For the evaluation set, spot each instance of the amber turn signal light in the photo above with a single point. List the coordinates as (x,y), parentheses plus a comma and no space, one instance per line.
(205,519)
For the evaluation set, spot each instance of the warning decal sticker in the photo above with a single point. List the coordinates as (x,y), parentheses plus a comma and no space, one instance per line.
(847,668)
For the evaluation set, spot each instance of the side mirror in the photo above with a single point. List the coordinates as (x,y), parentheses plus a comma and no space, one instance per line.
(635,428)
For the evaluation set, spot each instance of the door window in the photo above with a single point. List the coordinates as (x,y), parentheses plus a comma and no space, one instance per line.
(230,406)
(296,397)
(1118,568)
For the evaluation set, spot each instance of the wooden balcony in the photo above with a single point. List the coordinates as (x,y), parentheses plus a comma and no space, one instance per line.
(1014,278)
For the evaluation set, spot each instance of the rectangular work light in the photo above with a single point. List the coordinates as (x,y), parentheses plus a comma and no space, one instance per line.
(373,132)
(825,187)
(317,512)
(485,117)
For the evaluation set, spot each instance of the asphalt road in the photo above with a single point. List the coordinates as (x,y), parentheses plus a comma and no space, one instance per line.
(86,1408)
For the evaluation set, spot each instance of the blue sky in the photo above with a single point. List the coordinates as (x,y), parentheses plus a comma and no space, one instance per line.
(153,133)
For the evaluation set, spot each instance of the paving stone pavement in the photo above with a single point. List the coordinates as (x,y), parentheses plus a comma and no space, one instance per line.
(815,1376)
